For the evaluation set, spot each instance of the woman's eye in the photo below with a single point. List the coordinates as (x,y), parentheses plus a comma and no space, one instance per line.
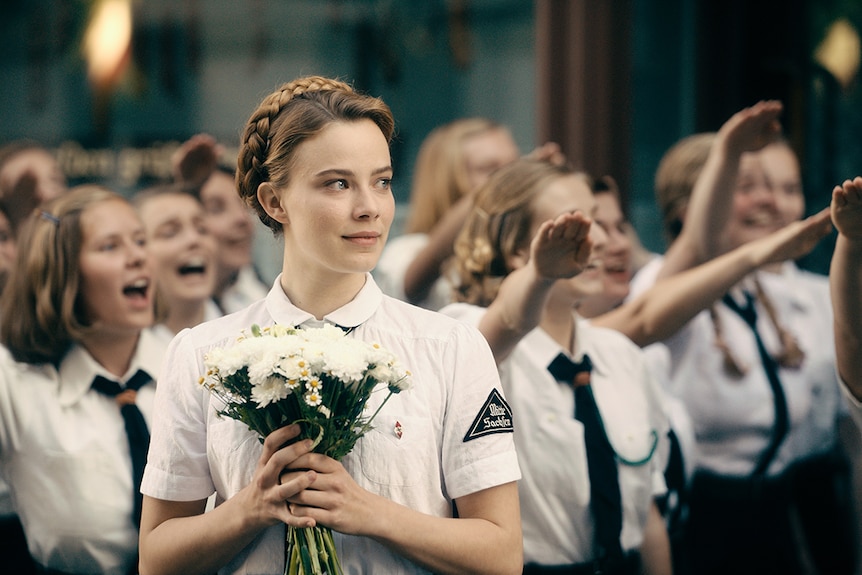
(385,183)
(337,184)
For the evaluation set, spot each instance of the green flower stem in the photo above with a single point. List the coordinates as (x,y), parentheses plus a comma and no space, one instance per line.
(311,551)
(370,419)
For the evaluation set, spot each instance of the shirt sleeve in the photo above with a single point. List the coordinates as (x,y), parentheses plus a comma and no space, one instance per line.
(177,466)
(478,445)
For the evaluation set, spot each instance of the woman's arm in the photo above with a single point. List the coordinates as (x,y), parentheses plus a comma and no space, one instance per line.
(711,199)
(655,549)
(845,278)
(425,268)
(178,537)
(669,304)
(560,249)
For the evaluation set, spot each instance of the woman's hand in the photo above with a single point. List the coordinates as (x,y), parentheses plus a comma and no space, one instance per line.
(334,499)
(561,247)
(270,490)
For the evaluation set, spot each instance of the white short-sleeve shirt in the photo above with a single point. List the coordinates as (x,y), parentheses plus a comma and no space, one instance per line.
(734,417)
(65,455)
(194,452)
(555,488)
(392,267)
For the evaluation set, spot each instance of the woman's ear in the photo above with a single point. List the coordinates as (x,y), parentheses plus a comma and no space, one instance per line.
(271,203)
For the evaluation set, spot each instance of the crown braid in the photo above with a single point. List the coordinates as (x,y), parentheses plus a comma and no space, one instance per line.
(256,138)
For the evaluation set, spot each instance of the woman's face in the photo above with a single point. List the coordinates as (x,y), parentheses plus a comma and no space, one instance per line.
(617,261)
(180,246)
(116,288)
(767,197)
(569,194)
(339,205)
(487,151)
(229,220)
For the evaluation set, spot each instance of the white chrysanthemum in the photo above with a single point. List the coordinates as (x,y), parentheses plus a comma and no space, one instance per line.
(270,390)
(263,363)
(227,361)
(348,364)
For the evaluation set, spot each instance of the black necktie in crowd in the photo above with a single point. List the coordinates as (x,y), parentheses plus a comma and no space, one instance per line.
(770,366)
(605,499)
(136,428)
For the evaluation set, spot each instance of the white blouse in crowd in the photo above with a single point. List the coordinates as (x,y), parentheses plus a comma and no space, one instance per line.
(247,289)
(734,417)
(65,456)
(391,270)
(555,489)
(194,452)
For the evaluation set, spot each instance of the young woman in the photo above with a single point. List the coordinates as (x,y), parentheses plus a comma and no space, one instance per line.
(519,258)
(228,218)
(183,255)
(757,374)
(314,162)
(73,323)
(453,161)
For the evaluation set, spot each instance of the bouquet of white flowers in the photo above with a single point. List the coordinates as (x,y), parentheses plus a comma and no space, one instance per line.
(316,377)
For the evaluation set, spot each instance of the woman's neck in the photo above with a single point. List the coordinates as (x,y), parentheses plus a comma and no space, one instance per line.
(185,314)
(112,351)
(225,278)
(558,321)
(321,295)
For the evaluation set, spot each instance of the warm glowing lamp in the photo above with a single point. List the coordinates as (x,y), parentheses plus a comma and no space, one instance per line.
(840,51)
(107,42)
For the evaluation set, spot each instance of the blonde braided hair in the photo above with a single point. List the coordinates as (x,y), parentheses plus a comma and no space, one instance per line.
(791,354)
(295,112)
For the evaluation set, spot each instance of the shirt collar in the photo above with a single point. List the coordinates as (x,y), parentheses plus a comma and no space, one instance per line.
(355,312)
(547,348)
(78,368)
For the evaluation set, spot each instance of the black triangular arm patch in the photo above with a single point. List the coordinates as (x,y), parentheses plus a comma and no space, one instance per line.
(494,417)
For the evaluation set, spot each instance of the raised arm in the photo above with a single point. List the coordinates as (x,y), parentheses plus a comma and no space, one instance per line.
(845,279)
(195,159)
(711,199)
(671,302)
(560,249)
(425,268)
(178,537)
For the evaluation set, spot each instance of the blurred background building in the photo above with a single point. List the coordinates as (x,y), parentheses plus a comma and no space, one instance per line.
(114,85)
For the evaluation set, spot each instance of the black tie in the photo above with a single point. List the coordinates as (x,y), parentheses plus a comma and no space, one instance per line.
(605,499)
(136,428)
(770,366)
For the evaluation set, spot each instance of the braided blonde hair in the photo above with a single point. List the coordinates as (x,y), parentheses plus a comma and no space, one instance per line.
(295,112)
(791,354)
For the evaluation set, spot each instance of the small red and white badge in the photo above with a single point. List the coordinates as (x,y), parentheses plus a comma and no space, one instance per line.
(398,429)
